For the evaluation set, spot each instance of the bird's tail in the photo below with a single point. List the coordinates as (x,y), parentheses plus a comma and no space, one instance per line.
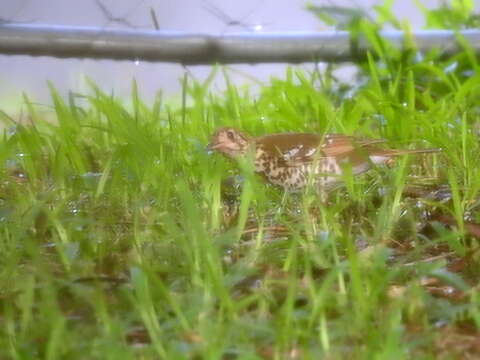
(384,156)
(398,152)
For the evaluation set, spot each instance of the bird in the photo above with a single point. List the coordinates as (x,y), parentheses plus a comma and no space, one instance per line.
(294,160)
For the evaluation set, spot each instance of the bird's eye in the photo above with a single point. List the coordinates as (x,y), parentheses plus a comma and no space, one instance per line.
(231,135)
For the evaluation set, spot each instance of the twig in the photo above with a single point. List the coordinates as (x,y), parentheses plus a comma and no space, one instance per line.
(227,19)
(111,18)
(119,19)
(153,15)
(430,259)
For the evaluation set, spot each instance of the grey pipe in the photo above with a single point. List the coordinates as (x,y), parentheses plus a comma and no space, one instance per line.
(193,48)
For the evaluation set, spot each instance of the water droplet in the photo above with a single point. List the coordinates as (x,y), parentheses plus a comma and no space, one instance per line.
(451,68)
(382,191)
(73,207)
(323,236)
(72,250)
(468,216)
(468,73)
(12,130)
(380,118)
(440,323)
(91,175)
(11,163)
(448,290)
(258,27)
(419,57)
(49,245)
(228,256)
(257,284)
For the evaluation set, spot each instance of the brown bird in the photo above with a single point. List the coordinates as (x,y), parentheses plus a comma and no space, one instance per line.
(293,160)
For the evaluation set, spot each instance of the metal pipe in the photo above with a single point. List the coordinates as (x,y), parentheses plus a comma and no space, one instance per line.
(198,48)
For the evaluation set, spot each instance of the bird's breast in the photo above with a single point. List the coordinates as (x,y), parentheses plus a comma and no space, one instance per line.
(293,175)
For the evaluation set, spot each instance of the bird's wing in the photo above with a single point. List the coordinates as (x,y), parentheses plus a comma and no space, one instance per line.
(291,149)
(341,145)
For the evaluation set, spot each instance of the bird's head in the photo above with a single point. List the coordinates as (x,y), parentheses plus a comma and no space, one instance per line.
(230,142)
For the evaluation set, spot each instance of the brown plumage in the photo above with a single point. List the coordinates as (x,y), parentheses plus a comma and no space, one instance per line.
(293,160)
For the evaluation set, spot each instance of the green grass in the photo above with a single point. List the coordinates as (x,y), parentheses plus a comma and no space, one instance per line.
(117,239)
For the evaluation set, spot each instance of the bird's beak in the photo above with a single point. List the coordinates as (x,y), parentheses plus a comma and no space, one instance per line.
(212,147)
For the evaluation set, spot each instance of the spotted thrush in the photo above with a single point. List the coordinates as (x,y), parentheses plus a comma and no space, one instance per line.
(292,160)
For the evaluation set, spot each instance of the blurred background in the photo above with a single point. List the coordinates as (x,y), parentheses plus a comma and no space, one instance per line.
(30,74)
